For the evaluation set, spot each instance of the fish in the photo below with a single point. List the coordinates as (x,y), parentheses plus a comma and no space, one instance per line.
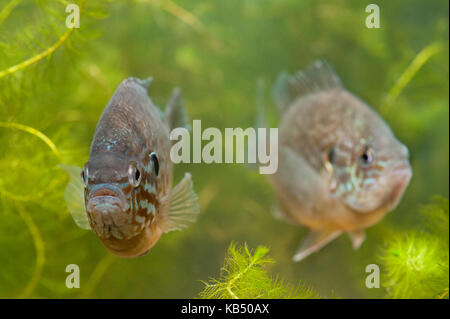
(124,192)
(340,167)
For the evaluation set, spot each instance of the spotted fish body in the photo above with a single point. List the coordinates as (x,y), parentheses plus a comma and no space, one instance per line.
(128,195)
(340,168)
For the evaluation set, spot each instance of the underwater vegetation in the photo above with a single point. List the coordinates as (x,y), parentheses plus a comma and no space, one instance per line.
(244,276)
(55,82)
(414,265)
(416,262)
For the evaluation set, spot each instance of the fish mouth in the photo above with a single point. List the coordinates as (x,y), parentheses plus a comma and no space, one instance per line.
(105,189)
(106,194)
(106,210)
(402,174)
(391,190)
(105,204)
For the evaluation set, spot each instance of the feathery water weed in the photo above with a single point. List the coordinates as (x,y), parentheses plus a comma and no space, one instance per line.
(416,263)
(244,276)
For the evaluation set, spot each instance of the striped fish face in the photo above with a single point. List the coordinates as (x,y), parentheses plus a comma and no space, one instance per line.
(121,194)
(371,170)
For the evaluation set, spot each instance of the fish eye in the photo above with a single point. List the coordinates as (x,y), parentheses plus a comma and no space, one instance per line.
(134,175)
(84,176)
(329,160)
(366,156)
(137,174)
(331,155)
(155,162)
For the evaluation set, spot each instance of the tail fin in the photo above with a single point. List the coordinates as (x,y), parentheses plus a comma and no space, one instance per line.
(320,76)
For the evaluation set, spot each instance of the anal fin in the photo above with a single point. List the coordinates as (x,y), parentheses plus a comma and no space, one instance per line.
(313,242)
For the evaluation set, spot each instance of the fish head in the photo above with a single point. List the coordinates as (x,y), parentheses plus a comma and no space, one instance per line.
(120,194)
(370,167)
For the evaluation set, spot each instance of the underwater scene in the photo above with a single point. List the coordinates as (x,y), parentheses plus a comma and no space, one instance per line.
(239,149)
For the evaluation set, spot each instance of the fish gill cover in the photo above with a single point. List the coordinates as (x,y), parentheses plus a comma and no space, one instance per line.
(55,82)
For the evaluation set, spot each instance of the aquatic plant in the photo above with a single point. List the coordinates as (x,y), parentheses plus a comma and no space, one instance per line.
(416,262)
(244,275)
(37,45)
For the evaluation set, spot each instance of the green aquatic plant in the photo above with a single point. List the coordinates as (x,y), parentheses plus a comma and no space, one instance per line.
(419,60)
(244,275)
(416,263)
(32,35)
(30,205)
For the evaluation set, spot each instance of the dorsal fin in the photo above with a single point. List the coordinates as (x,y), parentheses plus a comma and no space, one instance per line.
(320,76)
(145,83)
(175,113)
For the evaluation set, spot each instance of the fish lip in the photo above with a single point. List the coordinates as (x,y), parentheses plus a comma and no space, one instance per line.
(105,189)
(106,202)
(403,175)
(106,193)
(114,200)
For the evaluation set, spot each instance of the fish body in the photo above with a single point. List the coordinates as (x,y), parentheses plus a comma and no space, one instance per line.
(340,167)
(129,201)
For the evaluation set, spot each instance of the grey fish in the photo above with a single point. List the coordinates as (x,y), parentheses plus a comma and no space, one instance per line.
(340,169)
(125,191)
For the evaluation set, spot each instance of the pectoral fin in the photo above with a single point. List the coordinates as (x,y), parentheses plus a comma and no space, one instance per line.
(313,242)
(74,196)
(181,206)
(357,238)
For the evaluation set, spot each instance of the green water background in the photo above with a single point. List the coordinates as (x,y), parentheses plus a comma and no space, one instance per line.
(215,51)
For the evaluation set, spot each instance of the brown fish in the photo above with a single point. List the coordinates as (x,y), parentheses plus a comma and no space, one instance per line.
(340,169)
(128,197)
